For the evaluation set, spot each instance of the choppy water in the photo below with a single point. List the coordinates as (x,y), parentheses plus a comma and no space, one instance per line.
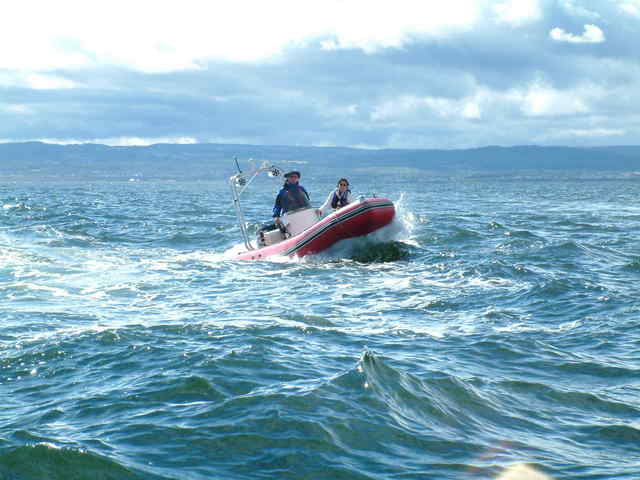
(496,325)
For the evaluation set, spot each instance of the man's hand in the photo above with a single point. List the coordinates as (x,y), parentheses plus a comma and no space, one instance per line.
(277,220)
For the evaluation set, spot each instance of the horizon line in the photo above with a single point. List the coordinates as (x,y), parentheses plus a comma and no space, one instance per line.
(354,147)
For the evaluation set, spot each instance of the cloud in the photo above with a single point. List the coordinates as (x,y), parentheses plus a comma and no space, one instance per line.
(121,141)
(544,101)
(598,132)
(149,36)
(17,109)
(392,25)
(630,8)
(422,109)
(592,34)
(36,81)
(407,74)
(578,10)
(517,12)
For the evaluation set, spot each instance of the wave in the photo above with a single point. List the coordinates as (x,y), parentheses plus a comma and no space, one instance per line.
(327,419)
(462,236)
(627,434)
(380,252)
(632,266)
(500,269)
(49,461)
(524,234)
(536,395)
(414,404)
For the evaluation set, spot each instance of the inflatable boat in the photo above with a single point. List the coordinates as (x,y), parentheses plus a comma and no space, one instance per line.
(303,231)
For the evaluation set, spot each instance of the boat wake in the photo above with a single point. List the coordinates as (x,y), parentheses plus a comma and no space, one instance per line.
(383,245)
(388,244)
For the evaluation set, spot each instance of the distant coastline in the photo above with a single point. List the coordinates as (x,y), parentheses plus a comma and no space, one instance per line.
(191,160)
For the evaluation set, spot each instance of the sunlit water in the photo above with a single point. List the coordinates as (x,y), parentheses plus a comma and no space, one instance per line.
(495,323)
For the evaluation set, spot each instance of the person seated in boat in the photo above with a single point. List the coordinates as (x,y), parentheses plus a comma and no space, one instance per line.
(338,198)
(292,196)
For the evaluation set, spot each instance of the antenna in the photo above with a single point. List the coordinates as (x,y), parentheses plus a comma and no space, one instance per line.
(241,179)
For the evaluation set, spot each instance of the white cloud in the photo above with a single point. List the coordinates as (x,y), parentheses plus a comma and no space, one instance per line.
(133,141)
(471,111)
(578,10)
(542,100)
(581,135)
(538,99)
(392,24)
(48,82)
(120,141)
(331,111)
(35,81)
(592,34)
(631,7)
(156,36)
(595,132)
(408,108)
(16,109)
(517,11)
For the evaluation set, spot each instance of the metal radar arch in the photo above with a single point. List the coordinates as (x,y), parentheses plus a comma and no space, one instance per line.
(239,183)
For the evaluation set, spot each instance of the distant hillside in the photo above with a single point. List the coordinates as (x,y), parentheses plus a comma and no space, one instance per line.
(205,160)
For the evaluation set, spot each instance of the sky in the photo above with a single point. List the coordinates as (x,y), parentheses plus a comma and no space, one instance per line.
(359,73)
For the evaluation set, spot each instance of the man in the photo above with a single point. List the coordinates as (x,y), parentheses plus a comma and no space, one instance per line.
(291,197)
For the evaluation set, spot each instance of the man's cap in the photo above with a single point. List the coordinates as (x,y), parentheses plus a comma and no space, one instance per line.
(294,172)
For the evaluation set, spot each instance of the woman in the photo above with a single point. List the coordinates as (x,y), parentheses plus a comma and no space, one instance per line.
(338,198)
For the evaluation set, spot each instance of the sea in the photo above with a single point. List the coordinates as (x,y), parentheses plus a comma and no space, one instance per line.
(490,332)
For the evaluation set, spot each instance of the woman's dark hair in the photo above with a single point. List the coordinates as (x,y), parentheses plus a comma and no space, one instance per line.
(343,180)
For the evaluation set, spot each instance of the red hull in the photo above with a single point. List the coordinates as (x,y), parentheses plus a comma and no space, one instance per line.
(355,220)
